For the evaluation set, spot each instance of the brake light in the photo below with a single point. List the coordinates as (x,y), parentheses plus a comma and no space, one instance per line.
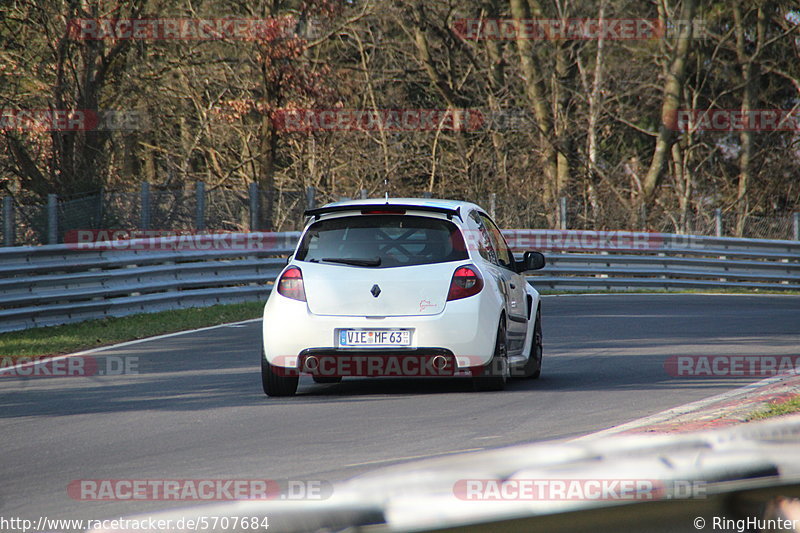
(466,282)
(291,284)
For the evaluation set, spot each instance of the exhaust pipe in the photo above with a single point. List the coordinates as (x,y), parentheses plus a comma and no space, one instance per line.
(439,362)
(311,364)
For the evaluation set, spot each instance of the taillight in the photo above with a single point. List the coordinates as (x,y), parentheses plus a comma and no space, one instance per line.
(291,284)
(466,282)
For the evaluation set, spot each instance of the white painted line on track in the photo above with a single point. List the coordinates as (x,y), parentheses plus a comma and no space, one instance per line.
(663,416)
(126,343)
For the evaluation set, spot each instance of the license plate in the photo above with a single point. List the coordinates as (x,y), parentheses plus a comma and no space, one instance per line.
(374,337)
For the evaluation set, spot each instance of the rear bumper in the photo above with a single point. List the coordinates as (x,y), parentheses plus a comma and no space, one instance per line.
(465,330)
(402,362)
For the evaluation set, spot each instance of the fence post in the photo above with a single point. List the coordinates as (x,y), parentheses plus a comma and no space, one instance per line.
(200,206)
(144,206)
(796,224)
(101,207)
(718,222)
(253,193)
(363,194)
(563,212)
(9,227)
(311,201)
(643,217)
(492,204)
(52,219)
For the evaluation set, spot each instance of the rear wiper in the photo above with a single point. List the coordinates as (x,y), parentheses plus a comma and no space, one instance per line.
(370,262)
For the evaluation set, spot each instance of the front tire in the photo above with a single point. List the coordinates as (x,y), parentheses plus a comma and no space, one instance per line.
(495,375)
(273,383)
(533,368)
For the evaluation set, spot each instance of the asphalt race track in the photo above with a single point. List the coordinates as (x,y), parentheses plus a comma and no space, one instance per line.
(196,410)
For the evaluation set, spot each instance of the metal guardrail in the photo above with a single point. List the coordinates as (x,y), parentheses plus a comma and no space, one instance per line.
(64,283)
(621,260)
(57,284)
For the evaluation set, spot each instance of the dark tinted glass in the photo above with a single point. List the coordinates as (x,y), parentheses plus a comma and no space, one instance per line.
(398,240)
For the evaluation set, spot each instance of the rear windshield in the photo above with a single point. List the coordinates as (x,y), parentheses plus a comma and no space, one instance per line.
(383,241)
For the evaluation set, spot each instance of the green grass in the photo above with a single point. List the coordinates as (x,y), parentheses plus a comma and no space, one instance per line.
(780,408)
(93,333)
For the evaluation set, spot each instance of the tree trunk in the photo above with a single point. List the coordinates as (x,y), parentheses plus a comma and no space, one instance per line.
(749,69)
(669,106)
(537,99)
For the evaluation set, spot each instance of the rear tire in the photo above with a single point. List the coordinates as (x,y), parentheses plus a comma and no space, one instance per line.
(495,374)
(533,368)
(275,384)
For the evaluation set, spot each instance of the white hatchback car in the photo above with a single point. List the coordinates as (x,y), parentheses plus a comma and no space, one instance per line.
(402,287)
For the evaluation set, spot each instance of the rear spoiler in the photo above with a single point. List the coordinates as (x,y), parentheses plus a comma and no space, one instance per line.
(318,212)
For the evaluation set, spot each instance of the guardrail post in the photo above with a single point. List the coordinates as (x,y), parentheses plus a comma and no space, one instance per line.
(200,205)
(101,206)
(9,227)
(796,224)
(311,201)
(562,215)
(253,193)
(144,206)
(718,222)
(492,204)
(52,219)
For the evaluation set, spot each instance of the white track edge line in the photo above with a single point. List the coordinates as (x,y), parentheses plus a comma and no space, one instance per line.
(48,359)
(683,409)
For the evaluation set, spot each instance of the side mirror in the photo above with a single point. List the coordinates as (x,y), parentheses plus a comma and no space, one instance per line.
(531,261)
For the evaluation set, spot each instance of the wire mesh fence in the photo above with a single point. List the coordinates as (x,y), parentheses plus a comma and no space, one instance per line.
(197,209)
